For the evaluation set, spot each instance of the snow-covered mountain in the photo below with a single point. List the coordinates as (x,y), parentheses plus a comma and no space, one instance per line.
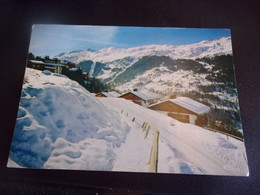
(203,71)
(60,125)
(109,63)
(192,51)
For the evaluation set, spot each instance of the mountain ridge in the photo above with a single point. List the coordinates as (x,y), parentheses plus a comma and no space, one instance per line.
(191,51)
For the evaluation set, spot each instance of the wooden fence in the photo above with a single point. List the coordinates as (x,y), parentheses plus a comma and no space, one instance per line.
(227,134)
(147,127)
(153,161)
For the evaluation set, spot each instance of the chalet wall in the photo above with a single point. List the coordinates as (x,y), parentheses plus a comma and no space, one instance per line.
(202,120)
(171,107)
(135,99)
(179,113)
(100,95)
(180,117)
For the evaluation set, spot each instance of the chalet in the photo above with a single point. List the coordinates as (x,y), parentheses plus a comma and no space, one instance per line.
(108,94)
(39,65)
(143,98)
(184,109)
(85,75)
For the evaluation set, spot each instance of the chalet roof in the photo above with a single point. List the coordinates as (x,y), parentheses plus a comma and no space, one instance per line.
(145,95)
(110,94)
(36,62)
(191,105)
(53,64)
(74,69)
(50,67)
(45,63)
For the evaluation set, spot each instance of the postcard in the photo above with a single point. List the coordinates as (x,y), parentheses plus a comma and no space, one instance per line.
(129,99)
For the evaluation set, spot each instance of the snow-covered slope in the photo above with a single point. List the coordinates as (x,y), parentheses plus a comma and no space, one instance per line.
(152,67)
(198,50)
(61,125)
(163,80)
(183,148)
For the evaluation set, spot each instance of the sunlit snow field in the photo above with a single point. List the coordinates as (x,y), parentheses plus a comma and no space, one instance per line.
(60,125)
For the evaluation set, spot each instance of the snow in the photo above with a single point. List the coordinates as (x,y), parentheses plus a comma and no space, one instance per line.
(191,105)
(53,64)
(36,61)
(74,69)
(50,67)
(60,125)
(192,51)
(145,95)
(162,79)
(110,94)
(92,69)
(186,148)
(131,156)
(13,164)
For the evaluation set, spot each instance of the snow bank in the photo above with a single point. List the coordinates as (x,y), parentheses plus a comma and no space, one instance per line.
(61,125)
(186,148)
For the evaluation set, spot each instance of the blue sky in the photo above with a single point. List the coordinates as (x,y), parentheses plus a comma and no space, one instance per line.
(53,39)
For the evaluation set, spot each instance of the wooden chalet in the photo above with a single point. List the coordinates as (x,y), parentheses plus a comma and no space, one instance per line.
(108,94)
(143,98)
(39,65)
(184,109)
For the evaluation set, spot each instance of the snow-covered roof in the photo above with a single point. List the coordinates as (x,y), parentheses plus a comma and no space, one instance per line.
(191,105)
(50,67)
(110,94)
(44,63)
(74,69)
(36,62)
(145,95)
(54,64)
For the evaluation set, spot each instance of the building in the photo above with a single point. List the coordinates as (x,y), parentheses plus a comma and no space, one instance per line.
(184,109)
(39,65)
(143,98)
(108,94)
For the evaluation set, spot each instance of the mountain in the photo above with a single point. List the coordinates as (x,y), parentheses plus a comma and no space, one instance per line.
(108,63)
(203,71)
(192,51)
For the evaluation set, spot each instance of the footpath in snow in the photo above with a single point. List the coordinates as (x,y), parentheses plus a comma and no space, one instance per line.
(186,148)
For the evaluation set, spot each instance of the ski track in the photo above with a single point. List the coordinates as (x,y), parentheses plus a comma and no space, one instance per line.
(92,69)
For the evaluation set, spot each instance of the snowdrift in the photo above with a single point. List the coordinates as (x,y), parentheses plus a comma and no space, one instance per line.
(61,125)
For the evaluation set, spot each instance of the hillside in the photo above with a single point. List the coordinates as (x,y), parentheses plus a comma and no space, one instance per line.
(202,71)
(61,125)
(108,63)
